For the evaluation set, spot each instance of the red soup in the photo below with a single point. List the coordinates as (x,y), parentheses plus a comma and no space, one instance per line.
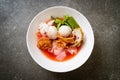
(54,45)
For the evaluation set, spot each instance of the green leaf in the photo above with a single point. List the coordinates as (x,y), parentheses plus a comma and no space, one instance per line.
(58,26)
(72,23)
(67,24)
(68,21)
(57,21)
(66,17)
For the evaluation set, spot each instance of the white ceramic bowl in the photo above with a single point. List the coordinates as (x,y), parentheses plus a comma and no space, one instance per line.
(69,65)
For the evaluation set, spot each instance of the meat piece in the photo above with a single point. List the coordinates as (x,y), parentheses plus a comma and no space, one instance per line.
(51,50)
(58,50)
(55,49)
(61,56)
(72,50)
(44,43)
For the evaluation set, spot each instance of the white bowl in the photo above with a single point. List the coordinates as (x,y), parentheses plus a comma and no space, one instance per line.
(69,65)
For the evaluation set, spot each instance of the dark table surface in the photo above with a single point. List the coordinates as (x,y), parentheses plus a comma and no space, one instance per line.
(16,62)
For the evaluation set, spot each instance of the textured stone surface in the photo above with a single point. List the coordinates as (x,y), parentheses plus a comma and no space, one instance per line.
(17,64)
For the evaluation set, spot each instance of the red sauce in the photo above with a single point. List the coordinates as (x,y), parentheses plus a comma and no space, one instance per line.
(53,57)
(38,34)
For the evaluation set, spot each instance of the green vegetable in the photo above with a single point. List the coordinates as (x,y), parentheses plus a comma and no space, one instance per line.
(57,21)
(66,24)
(58,26)
(72,23)
(66,17)
(68,21)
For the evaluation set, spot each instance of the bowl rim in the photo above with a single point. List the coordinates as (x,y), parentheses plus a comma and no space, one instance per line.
(43,12)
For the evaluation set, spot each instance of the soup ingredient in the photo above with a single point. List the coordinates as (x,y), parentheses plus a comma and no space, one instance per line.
(52,32)
(65,42)
(67,20)
(72,50)
(44,43)
(50,23)
(79,36)
(61,43)
(38,34)
(61,56)
(43,27)
(71,21)
(59,38)
(65,31)
(69,39)
(59,52)
(55,49)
